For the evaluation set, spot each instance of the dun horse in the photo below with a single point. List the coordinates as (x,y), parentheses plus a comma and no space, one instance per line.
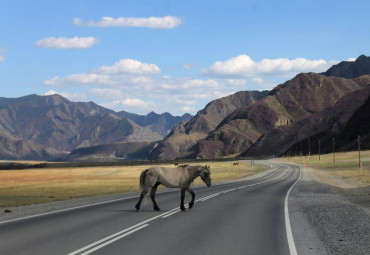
(178,177)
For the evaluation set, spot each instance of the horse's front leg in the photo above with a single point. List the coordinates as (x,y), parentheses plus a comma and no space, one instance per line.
(152,196)
(192,197)
(182,207)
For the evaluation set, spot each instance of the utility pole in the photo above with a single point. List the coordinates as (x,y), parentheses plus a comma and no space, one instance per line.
(319,149)
(309,147)
(334,150)
(359,152)
(301,149)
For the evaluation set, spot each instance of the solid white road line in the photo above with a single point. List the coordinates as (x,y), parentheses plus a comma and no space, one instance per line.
(169,214)
(292,248)
(127,231)
(65,210)
(208,197)
(113,240)
(138,225)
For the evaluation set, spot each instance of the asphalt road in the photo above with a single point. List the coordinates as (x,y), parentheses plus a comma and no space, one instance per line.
(247,217)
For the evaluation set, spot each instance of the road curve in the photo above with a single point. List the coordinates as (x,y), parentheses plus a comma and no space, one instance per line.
(245,217)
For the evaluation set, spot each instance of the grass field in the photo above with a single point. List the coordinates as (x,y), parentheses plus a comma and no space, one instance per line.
(32,186)
(345,166)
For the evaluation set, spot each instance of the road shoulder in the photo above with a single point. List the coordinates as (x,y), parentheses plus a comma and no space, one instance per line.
(337,218)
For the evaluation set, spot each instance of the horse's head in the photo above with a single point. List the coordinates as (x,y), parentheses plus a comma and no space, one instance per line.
(205,174)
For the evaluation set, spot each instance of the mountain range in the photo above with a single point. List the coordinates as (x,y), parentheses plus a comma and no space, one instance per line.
(271,125)
(58,126)
(290,119)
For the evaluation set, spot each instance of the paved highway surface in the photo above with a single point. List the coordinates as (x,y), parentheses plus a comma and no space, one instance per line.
(246,217)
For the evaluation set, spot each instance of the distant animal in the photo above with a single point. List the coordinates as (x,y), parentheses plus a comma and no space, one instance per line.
(178,177)
(176,164)
(235,164)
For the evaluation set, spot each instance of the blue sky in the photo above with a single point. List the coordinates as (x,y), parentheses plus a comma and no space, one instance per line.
(171,56)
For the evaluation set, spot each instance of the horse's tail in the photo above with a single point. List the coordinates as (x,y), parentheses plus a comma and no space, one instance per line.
(142,179)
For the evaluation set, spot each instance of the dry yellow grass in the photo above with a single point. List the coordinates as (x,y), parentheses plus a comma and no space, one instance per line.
(24,187)
(346,165)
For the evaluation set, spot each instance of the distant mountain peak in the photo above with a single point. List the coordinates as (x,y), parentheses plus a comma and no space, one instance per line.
(349,69)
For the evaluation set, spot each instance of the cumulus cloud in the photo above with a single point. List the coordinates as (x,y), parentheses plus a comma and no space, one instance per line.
(67,43)
(2,58)
(129,66)
(79,79)
(139,87)
(70,96)
(245,66)
(167,22)
(135,102)
(190,66)
(107,93)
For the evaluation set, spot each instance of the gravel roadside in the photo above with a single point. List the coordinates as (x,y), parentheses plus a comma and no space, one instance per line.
(339,216)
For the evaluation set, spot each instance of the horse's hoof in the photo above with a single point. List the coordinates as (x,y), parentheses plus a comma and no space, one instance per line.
(138,210)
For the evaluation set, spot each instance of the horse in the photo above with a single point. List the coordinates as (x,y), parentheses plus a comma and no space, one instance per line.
(178,177)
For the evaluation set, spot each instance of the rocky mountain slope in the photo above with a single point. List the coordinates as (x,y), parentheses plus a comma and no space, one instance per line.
(348,69)
(184,135)
(309,107)
(111,152)
(55,122)
(15,148)
(343,121)
(304,95)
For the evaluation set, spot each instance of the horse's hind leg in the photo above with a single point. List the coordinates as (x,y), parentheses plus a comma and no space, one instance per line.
(137,206)
(192,197)
(182,207)
(152,196)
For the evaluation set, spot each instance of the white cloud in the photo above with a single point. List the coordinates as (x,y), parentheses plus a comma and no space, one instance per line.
(188,109)
(236,82)
(189,66)
(51,92)
(196,83)
(2,58)
(351,60)
(245,66)
(135,102)
(76,97)
(129,66)
(107,93)
(167,22)
(138,87)
(78,79)
(67,43)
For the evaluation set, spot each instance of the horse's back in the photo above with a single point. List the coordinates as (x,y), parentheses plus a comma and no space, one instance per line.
(168,176)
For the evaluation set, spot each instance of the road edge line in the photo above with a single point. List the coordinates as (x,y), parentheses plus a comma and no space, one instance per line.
(289,233)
